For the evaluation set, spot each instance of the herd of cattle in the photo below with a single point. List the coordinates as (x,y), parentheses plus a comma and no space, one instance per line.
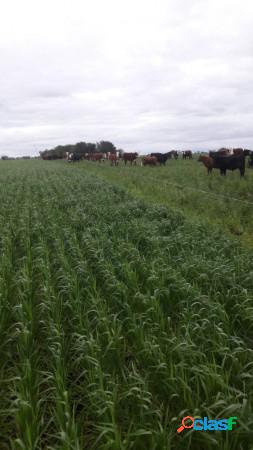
(223,159)
(152,159)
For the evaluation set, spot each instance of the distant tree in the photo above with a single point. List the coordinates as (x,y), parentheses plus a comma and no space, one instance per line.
(59,152)
(106,147)
(80,148)
(91,148)
(4,157)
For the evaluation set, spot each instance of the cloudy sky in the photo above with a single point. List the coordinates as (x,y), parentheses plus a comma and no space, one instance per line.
(147,75)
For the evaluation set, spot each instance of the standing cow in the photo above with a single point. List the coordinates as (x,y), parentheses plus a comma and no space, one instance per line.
(161,157)
(187,154)
(208,162)
(250,161)
(96,157)
(73,157)
(114,159)
(149,161)
(238,151)
(174,153)
(229,162)
(131,157)
(223,151)
(241,151)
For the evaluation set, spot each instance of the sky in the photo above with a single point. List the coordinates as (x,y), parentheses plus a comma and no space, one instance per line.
(146,75)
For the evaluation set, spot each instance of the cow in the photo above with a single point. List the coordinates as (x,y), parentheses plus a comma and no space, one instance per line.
(238,151)
(213,154)
(114,160)
(174,153)
(73,157)
(228,162)
(149,160)
(187,154)
(241,151)
(208,162)
(95,157)
(219,153)
(223,151)
(250,161)
(77,157)
(131,157)
(161,157)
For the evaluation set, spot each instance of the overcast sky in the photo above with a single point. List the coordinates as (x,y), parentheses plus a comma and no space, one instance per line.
(147,75)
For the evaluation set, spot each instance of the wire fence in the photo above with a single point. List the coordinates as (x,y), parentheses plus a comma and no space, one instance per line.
(202,191)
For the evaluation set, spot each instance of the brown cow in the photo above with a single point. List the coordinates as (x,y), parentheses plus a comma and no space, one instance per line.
(149,160)
(238,151)
(208,162)
(95,157)
(241,151)
(130,157)
(114,160)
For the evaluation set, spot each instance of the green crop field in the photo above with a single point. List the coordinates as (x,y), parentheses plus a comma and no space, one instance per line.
(126,303)
(185,186)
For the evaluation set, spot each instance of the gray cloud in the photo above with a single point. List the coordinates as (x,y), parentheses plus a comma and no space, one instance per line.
(146,75)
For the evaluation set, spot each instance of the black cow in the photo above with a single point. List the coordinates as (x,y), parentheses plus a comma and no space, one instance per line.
(74,157)
(223,151)
(161,157)
(173,153)
(213,154)
(187,154)
(229,162)
(250,161)
(218,154)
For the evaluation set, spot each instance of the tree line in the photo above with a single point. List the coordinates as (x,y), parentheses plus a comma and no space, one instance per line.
(80,148)
(9,158)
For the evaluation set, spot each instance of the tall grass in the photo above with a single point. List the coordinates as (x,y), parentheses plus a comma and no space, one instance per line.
(185,186)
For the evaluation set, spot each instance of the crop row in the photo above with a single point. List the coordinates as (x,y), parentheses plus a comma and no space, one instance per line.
(117,319)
